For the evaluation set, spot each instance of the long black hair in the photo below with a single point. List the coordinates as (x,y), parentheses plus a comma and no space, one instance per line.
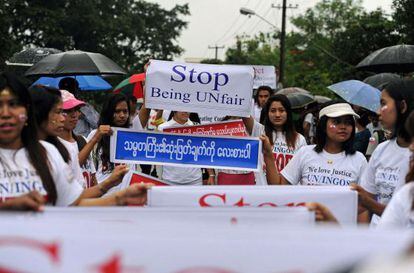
(44,99)
(401,91)
(321,136)
(36,152)
(288,128)
(107,118)
(409,126)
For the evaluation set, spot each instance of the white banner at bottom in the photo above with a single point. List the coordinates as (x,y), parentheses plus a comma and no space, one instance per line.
(111,240)
(340,200)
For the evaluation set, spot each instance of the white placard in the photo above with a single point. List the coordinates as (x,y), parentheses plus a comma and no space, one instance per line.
(264,75)
(219,89)
(340,200)
(117,240)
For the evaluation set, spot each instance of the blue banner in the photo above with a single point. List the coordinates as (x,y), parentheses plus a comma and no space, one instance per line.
(237,153)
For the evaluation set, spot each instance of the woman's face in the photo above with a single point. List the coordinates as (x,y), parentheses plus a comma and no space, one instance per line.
(339,129)
(13,116)
(121,114)
(277,114)
(388,111)
(55,122)
(411,147)
(72,118)
(181,117)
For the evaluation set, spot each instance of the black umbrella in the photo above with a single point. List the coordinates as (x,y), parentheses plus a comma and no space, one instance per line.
(399,58)
(30,56)
(292,90)
(299,100)
(75,62)
(379,81)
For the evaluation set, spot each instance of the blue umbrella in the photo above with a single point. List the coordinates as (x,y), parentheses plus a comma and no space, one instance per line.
(85,82)
(358,93)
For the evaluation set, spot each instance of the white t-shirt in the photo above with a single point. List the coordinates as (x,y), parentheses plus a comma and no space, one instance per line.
(256,111)
(311,120)
(104,172)
(18,176)
(84,172)
(136,124)
(308,167)
(386,171)
(180,175)
(281,151)
(399,212)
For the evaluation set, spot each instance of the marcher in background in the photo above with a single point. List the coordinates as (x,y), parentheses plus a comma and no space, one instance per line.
(182,175)
(309,123)
(89,118)
(263,93)
(73,142)
(378,135)
(389,162)
(115,113)
(278,127)
(362,134)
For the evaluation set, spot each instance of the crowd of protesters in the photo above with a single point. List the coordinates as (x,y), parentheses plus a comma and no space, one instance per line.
(55,149)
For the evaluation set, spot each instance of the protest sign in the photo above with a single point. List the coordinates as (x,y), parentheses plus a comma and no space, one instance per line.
(236,153)
(137,177)
(340,200)
(264,75)
(218,89)
(115,240)
(224,128)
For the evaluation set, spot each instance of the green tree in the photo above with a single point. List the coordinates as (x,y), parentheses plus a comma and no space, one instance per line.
(403,16)
(126,31)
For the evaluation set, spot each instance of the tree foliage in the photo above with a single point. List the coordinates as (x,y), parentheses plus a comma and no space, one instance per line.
(127,31)
(331,38)
(403,14)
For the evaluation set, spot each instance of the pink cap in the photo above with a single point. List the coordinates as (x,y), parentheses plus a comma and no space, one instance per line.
(69,100)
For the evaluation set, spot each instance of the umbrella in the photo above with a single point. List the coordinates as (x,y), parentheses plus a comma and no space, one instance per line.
(322,99)
(299,100)
(379,81)
(89,82)
(399,58)
(30,56)
(358,93)
(132,86)
(75,62)
(292,90)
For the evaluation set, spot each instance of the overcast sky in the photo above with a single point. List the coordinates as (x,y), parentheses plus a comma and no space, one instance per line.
(218,22)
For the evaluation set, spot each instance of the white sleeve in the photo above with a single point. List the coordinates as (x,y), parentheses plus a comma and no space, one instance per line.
(293,170)
(90,136)
(398,210)
(301,142)
(258,129)
(68,189)
(367,180)
(308,118)
(136,123)
(363,165)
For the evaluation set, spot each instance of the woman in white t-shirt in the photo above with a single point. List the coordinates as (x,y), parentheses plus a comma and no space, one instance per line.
(115,113)
(279,128)
(20,172)
(181,175)
(333,160)
(400,210)
(389,163)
